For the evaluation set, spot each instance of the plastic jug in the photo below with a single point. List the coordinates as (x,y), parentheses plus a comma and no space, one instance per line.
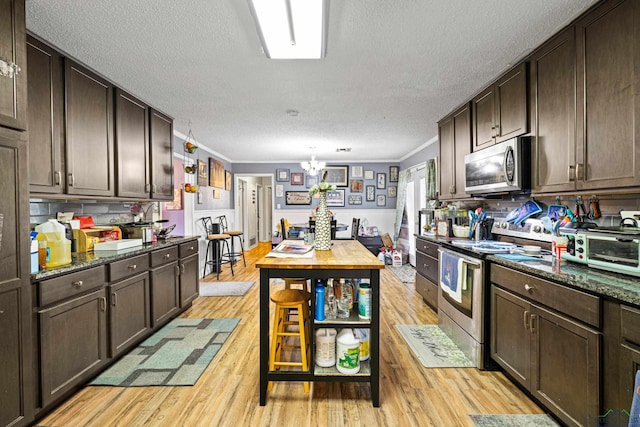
(326,347)
(58,246)
(347,352)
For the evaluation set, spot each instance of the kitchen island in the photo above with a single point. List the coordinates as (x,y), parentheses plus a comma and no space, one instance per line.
(346,259)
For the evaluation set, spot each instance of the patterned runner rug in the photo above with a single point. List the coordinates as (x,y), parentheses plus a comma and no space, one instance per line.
(406,273)
(432,347)
(176,355)
(224,289)
(519,420)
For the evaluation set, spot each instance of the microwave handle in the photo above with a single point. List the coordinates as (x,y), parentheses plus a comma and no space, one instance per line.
(504,164)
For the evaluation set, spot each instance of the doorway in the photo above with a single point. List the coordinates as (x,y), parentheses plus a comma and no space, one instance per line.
(254,205)
(416,199)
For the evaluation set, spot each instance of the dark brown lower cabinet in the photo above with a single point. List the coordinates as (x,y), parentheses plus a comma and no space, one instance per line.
(554,357)
(73,343)
(188,279)
(427,271)
(165,293)
(129,313)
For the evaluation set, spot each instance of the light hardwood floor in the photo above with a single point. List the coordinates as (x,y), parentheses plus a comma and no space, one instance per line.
(227,392)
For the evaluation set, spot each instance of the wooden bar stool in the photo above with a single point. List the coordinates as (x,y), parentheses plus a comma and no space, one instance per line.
(286,300)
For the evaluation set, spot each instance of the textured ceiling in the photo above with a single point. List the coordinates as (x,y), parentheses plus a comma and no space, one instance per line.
(393,68)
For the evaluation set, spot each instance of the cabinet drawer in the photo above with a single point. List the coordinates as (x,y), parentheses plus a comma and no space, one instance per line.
(427,266)
(630,322)
(427,247)
(164,256)
(188,248)
(572,302)
(428,290)
(128,267)
(69,285)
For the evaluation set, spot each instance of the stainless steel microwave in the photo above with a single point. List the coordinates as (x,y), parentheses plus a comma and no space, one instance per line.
(502,168)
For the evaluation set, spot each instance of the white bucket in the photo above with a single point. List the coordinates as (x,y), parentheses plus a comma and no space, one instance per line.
(326,347)
(347,352)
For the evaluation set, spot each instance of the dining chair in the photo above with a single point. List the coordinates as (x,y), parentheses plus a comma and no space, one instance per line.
(355,227)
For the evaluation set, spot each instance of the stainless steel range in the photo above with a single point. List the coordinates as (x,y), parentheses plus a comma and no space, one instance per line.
(464,274)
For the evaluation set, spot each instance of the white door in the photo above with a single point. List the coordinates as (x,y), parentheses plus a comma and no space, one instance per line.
(416,199)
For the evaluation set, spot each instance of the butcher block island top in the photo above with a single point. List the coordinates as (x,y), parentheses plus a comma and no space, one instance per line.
(344,255)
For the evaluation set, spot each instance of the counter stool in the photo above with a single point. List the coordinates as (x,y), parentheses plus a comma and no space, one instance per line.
(222,219)
(285,300)
(217,242)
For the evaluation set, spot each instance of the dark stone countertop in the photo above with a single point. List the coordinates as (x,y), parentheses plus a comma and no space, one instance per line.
(83,260)
(615,286)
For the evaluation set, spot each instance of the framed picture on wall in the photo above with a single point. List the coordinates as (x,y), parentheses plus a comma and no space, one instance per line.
(381,181)
(311,181)
(297,178)
(227,180)
(335,198)
(381,200)
(298,198)
(368,174)
(282,175)
(355,199)
(357,185)
(392,191)
(216,173)
(203,175)
(371,193)
(394,172)
(356,171)
(337,175)
(279,190)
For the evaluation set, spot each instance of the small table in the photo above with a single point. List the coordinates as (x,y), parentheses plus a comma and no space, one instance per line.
(347,259)
(305,227)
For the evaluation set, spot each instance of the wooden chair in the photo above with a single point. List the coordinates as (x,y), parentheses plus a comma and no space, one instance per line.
(355,226)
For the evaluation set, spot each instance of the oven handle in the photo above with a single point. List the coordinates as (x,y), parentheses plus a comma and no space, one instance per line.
(475,264)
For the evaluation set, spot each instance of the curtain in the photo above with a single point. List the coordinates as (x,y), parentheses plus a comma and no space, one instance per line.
(431,179)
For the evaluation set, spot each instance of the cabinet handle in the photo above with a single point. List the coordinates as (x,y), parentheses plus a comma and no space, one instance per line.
(70,180)
(425,266)
(177,269)
(525,319)
(493,131)
(181,268)
(497,131)
(56,177)
(78,283)
(114,298)
(528,288)
(147,188)
(571,173)
(167,256)
(579,171)
(103,304)
(532,323)
(153,188)
(133,266)
(190,248)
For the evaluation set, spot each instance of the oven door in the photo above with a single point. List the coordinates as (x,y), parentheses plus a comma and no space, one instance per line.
(621,255)
(465,307)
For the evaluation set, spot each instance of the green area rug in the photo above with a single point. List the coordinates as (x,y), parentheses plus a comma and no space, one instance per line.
(176,355)
(406,273)
(433,348)
(224,289)
(517,420)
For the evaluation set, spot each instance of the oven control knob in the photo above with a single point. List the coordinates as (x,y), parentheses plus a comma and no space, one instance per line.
(537,228)
(580,250)
(503,225)
(580,242)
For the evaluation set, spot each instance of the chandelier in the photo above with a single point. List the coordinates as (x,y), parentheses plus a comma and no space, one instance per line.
(313,167)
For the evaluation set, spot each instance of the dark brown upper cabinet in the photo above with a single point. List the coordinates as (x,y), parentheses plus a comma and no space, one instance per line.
(553,113)
(161,136)
(132,146)
(46,118)
(13,91)
(89,132)
(500,111)
(454,134)
(608,107)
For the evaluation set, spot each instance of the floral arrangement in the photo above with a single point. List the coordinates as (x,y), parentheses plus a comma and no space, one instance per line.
(322,186)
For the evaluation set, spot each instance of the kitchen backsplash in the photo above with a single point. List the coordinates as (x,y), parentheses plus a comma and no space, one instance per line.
(40,210)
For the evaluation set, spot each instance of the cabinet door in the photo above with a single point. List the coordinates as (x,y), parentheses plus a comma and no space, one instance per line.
(462,146)
(132,146)
(13,91)
(629,365)
(46,112)
(188,279)
(89,131)
(566,363)
(553,92)
(165,293)
(129,312)
(73,343)
(447,158)
(511,104)
(161,156)
(484,119)
(608,76)
(16,389)
(510,337)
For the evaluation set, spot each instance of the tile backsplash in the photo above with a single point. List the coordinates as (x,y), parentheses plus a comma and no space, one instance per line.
(103,213)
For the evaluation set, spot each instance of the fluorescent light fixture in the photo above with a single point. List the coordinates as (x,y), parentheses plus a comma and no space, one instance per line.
(291,29)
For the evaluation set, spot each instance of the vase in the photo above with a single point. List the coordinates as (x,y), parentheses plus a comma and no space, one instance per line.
(323,225)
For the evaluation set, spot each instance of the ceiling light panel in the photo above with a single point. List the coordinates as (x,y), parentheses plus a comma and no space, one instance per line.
(302,38)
